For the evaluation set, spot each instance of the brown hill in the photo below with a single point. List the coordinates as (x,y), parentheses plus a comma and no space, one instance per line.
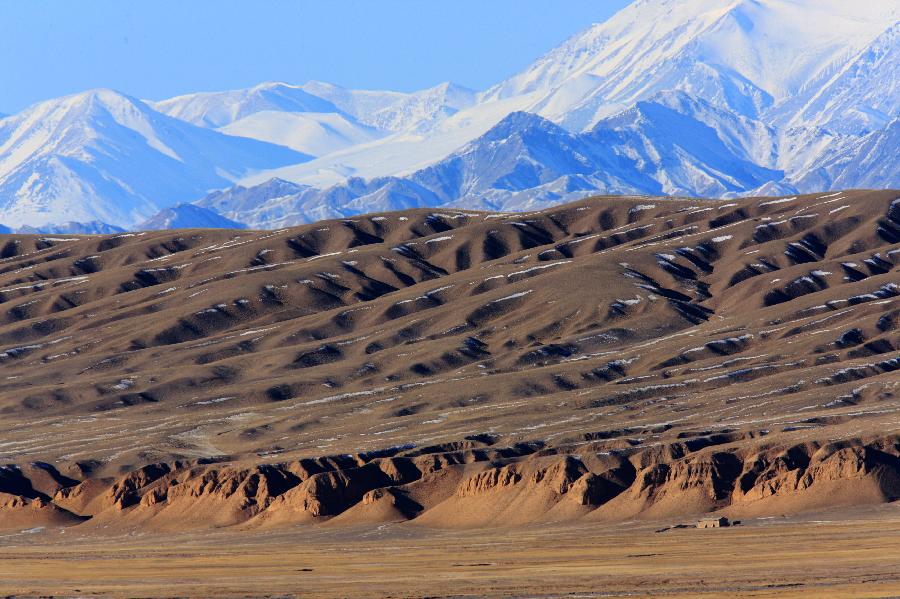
(608,359)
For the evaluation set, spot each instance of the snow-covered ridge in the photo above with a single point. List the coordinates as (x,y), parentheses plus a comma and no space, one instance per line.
(747,55)
(689,97)
(104,156)
(791,85)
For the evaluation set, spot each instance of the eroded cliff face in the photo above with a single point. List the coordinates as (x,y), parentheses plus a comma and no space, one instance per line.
(473,487)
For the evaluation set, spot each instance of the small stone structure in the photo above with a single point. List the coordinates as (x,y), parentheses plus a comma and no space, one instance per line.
(720,522)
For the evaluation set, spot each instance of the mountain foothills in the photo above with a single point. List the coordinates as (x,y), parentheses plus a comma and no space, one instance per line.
(600,361)
(715,98)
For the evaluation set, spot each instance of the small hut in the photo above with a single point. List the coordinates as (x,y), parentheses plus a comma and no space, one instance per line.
(720,522)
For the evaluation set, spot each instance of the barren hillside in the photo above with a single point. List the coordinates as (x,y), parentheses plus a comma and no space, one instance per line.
(603,360)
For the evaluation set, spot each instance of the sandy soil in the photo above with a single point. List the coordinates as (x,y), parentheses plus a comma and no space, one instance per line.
(846,554)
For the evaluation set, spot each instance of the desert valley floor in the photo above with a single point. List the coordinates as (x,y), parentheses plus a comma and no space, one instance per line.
(827,554)
(456,403)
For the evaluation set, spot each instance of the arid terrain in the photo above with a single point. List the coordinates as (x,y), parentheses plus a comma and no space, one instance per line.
(836,554)
(459,403)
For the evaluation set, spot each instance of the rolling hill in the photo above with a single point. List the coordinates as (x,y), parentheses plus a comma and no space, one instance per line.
(605,360)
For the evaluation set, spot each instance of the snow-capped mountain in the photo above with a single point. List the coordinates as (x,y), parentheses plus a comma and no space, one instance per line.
(869,162)
(278,203)
(218,109)
(188,216)
(396,111)
(792,82)
(104,156)
(73,228)
(746,55)
(685,97)
(528,162)
(382,110)
(317,118)
(277,113)
(862,95)
(313,133)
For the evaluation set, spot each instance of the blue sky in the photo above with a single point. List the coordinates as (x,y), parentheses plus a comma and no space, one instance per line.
(159,48)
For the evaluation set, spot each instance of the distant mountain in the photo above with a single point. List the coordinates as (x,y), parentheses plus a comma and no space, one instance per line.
(784,95)
(396,111)
(73,228)
(527,162)
(747,56)
(870,162)
(313,133)
(105,156)
(619,155)
(276,203)
(218,109)
(384,110)
(686,97)
(276,113)
(316,118)
(188,216)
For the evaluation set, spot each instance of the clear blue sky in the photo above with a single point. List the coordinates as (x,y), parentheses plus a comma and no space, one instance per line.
(159,48)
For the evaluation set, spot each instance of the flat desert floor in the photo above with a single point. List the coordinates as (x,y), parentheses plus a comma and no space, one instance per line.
(827,554)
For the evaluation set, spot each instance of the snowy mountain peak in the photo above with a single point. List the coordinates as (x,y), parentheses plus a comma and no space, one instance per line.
(687,97)
(396,111)
(217,109)
(743,54)
(91,102)
(188,216)
(517,122)
(104,156)
(66,124)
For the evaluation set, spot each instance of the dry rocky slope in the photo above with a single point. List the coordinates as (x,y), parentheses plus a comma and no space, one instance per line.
(603,360)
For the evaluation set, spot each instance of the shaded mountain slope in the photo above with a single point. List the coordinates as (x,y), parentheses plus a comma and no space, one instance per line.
(673,145)
(188,216)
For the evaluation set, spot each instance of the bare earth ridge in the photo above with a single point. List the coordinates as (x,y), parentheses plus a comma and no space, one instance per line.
(608,361)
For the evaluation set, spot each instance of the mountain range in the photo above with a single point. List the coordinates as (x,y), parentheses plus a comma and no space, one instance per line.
(713,98)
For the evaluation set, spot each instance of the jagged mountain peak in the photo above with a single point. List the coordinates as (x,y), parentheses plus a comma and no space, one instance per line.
(66,125)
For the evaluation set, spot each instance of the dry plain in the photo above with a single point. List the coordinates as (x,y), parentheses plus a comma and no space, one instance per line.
(833,554)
